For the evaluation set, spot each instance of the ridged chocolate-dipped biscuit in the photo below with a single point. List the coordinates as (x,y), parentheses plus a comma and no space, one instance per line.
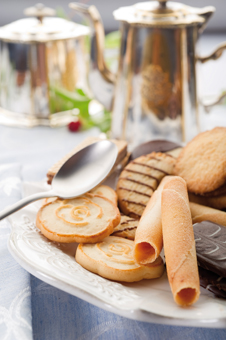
(159,145)
(139,180)
(126,228)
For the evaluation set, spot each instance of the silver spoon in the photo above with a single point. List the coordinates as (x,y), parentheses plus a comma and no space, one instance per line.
(79,174)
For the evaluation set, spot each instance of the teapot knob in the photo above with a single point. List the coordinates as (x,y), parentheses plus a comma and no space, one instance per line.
(39,11)
(162,3)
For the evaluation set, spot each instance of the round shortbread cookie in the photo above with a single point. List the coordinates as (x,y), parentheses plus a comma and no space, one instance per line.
(202,162)
(113,259)
(88,218)
(218,192)
(139,179)
(49,200)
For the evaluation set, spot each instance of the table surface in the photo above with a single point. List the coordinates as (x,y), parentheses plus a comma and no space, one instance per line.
(39,148)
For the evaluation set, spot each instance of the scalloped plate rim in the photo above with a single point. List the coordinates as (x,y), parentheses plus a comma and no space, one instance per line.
(135,314)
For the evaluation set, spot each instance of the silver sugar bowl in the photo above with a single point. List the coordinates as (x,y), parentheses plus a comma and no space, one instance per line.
(39,58)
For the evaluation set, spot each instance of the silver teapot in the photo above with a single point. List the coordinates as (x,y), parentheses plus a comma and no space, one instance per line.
(42,61)
(154,93)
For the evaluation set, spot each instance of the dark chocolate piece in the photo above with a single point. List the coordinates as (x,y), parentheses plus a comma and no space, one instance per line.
(212,282)
(210,239)
(151,146)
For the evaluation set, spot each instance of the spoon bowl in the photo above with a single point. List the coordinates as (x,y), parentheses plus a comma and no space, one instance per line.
(85,169)
(78,175)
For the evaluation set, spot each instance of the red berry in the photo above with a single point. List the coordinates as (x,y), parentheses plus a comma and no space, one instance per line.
(74,126)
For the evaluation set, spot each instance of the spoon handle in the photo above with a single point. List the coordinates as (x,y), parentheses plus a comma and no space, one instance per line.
(25,201)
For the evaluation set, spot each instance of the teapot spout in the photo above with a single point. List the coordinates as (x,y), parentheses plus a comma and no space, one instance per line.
(205,13)
(101,79)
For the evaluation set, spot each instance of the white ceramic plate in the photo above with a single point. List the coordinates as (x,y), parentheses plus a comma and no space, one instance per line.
(147,300)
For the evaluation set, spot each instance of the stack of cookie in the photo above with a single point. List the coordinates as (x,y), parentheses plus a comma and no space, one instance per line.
(122,232)
(202,163)
(89,220)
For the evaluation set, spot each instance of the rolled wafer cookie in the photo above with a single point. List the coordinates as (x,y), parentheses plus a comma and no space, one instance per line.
(201,213)
(179,243)
(88,218)
(113,259)
(148,241)
(148,237)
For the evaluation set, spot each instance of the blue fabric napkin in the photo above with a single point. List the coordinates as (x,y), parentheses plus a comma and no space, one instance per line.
(15,292)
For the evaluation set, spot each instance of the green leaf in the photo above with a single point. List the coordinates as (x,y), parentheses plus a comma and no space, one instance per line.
(112,40)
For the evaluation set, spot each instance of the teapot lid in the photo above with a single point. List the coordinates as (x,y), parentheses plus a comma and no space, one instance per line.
(162,13)
(41,26)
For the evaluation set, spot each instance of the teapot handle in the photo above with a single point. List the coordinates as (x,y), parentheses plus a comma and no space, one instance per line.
(217,53)
(214,55)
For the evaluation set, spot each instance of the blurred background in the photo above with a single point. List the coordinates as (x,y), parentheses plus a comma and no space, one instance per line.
(214,33)
(13,9)
(211,75)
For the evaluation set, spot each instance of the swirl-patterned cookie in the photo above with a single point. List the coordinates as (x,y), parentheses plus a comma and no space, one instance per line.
(139,179)
(106,191)
(88,218)
(113,259)
(102,190)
